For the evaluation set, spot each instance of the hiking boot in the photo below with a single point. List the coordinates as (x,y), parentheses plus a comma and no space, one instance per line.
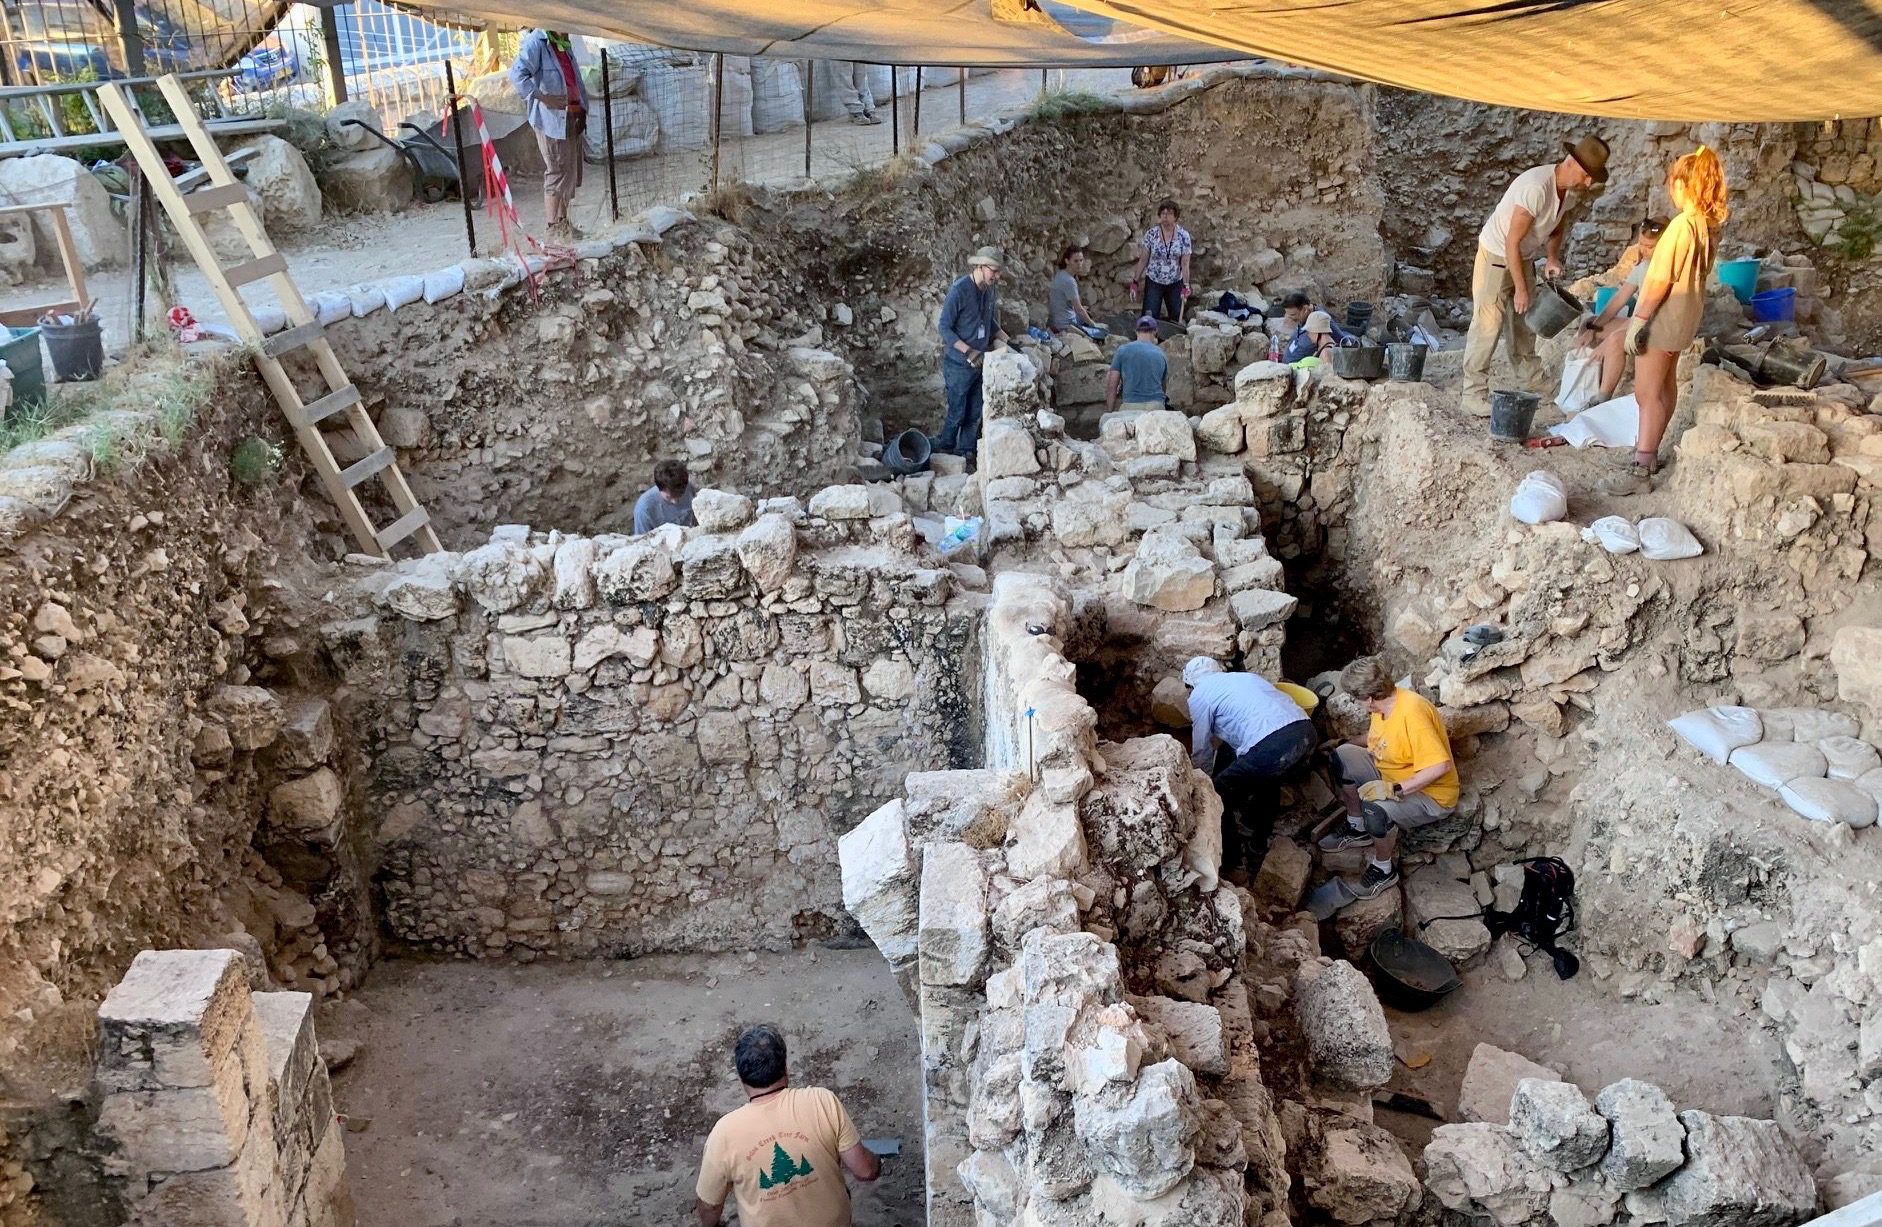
(866,117)
(1477,405)
(1374,882)
(1340,841)
(1638,479)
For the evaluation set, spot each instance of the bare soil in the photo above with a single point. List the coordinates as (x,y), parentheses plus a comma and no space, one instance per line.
(553,1094)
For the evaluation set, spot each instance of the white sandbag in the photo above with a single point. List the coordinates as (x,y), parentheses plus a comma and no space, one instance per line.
(1540,497)
(735,97)
(1716,731)
(681,98)
(1581,382)
(330,307)
(1849,758)
(636,131)
(1806,724)
(269,319)
(1614,423)
(443,283)
(1776,763)
(777,96)
(1613,534)
(1871,783)
(403,290)
(1665,540)
(624,63)
(366,299)
(1830,801)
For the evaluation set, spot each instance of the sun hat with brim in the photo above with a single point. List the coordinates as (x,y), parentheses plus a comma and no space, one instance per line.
(1591,152)
(1318,321)
(992,257)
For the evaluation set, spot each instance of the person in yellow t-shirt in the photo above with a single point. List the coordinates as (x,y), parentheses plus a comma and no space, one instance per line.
(1403,777)
(784,1153)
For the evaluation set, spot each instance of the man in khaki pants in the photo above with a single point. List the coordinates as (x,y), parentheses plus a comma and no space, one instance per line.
(1526,221)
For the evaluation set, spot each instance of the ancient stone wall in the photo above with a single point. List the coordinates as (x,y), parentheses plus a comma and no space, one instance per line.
(597,745)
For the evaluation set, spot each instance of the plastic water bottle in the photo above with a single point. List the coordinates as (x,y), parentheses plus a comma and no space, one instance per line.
(1274,347)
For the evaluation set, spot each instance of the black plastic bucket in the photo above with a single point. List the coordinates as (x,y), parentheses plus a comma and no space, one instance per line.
(1405,362)
(77,350)
(1358,316)
(907,453)
(1411,976)
(1512,414)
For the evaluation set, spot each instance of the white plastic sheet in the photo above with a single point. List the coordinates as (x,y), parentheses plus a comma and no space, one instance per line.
(1614,423)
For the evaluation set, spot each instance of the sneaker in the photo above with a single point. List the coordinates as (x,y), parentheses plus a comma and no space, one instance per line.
(869,117)
(1374,882)
(1636,480)
(1340,841)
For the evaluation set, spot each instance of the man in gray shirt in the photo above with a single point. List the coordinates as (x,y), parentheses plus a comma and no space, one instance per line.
(1138,370)
(668,501)
(1065,310)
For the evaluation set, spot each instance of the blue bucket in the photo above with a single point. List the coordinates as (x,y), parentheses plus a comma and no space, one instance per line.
(1741,278)
(1773,306)
(1604,296)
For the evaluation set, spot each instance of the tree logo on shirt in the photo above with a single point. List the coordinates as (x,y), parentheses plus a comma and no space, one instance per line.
(784,1169)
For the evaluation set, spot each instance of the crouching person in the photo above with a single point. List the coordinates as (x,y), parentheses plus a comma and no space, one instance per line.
(1403,778)
(1264,735)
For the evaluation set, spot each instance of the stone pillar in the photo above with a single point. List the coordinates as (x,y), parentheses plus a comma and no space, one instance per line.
(312,1169)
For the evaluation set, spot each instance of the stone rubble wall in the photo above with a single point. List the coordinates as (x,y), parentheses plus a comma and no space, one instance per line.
(214,1100)
(611,745)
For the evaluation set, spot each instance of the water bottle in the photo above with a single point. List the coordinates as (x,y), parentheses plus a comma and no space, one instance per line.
(1274,347)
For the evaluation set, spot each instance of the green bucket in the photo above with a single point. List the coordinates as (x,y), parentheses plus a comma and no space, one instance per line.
(20,351)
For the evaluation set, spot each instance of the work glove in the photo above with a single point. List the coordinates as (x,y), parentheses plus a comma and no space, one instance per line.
(1133,289)
(1375,790)
(1637,330)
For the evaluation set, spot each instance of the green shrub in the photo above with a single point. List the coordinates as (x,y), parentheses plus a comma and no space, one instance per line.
(254,461)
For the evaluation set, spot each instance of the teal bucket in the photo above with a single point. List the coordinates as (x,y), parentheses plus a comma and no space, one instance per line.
(1604,296)
(19,349)
(1740,277)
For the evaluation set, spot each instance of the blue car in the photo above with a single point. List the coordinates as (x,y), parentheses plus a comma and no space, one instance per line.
(266,67)
(74,42)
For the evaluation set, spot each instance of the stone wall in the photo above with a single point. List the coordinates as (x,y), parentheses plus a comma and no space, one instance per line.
(586,746)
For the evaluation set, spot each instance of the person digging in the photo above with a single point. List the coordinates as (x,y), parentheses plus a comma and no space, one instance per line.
(1403,778)
(1265,735)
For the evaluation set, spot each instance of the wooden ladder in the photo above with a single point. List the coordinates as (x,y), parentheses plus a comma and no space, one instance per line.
(341,400)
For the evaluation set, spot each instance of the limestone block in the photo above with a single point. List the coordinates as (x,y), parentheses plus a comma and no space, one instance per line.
(953,915)
(1554,1123)
(1257,608)
(1739,1172)
(1009,384)
(723,739)
(48,178)
(1282,878)
(1164,432)
(290,196)
(1359,1174)
(1786,442)
(1113,1051)
(1856,655)
(371,180)
(768,551)
(1192,1029)
(1220,430)
(1769,637)
(607,641)
(1348,1044)
(639,571)
(499,576)
(537,655)
(1646,1139)
(833,683)
(286,1022)
(253,715)
(889,679)
(992,1183)
(1143,1135)
(309,805)
(177,1019)
(993,1113)
(1006,450)
(841,503)
(573,569)
(1079,383)
(1478,1169)
(422,589)
(1095,518)
(721,511)
(1169,573)
(1051,904)
(1490,1083)
(1169,703)
(1070,969)
(243,1193)
(306,738)
(1048,839)
(1263,390)
(1434,893)
(1211,350)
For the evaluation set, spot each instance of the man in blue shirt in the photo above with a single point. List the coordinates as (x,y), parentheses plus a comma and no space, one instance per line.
(1297,307)
(969,327)
(668,501)
(1138,370)
(1269,735)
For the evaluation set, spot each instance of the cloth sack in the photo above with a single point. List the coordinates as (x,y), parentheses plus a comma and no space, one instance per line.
(1716,731)
(1806,724)
(1850,758)
(1665,540)
(1581,382)
(1613,534)
(1777,763)
(1871,783)
(1540,497)
(1830,801)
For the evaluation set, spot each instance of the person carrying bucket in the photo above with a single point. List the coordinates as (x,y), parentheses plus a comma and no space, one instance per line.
(1605,332)
(1672,302)
(1526,222)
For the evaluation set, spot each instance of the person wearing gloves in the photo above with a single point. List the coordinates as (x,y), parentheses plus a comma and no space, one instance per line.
(1269,736)
(546,78)
(1403,778)
(1671,304)
(1606,333)
(969,327)
(1163,265)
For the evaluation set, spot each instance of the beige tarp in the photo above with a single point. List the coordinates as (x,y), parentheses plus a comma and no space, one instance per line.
(1638,59)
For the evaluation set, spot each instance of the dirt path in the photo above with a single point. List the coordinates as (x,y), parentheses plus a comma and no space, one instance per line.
(579,1093)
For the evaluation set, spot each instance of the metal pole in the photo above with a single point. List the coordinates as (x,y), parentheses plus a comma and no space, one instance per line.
(963,92)
(914,127)
(336,65)
(1042,82)
(463,171)
(607,117)
(131,37)
(810,109)
(140,249)
(718,102)
(895,113)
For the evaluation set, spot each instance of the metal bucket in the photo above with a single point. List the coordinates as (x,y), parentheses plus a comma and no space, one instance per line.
(1512,414)
(1553,309)
(1359,362)
(1406,362)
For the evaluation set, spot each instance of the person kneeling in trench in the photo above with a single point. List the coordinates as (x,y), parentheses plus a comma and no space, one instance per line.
(1403,777)
(1269,736)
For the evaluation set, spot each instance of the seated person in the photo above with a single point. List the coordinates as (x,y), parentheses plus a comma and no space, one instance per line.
(1606,333)
(668,501)
(1266,735)
(1065,310)
(1298,308)
(1401,779)
(1313,339)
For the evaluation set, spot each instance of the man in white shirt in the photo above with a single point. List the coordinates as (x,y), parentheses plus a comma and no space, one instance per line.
(1525,223)
(1269,734)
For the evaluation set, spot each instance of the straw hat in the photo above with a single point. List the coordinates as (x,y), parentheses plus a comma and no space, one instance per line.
(990,256)
(1592,153)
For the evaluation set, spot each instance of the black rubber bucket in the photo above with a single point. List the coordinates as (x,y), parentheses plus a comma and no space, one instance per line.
(77,350)
(1512,414)
(1358,316)
(907,453)
(1410,975)
(1405,362)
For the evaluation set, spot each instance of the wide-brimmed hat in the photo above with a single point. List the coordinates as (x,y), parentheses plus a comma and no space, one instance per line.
(1592,153)
(1318,321)
(993,257)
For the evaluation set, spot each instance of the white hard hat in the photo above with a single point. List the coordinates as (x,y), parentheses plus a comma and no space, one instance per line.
(1198,668)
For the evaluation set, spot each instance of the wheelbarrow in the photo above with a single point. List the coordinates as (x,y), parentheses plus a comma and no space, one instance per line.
(434,168)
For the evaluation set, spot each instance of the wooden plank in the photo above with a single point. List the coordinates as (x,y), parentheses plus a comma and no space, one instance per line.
(316,412)
(270,265)
(68,254)
(403,527)
(361,470)
(209,199)
(28,317)
(165,132)
(290,339)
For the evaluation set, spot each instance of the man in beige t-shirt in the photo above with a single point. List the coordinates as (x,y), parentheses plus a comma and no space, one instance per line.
(784,1152)
(1525,223)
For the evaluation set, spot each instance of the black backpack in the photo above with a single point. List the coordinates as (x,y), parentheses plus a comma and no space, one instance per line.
(1545,912)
